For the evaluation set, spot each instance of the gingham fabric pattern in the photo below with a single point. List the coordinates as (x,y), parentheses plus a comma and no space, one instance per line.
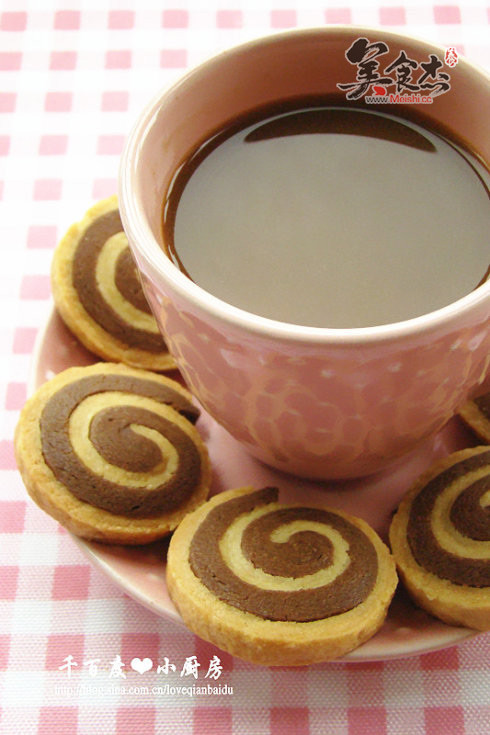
(73,77)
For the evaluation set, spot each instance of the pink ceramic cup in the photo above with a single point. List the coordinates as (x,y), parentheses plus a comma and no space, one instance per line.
(323,403)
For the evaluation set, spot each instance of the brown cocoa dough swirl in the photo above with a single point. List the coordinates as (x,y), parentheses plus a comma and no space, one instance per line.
(467,516)
(304,553)
(126,279)
(483,404)
(114,439)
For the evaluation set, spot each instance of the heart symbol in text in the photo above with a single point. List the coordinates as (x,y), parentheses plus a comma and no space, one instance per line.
(141,665)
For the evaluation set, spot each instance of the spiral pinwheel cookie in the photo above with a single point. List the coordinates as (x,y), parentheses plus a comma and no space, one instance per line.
(112,452)
(476,414)
(278,585)
(97,292)
(440,538)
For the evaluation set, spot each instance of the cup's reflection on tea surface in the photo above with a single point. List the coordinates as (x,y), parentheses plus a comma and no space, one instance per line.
(330,217)
(308,398)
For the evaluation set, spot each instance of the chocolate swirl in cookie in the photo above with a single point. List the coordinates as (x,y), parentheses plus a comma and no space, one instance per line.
(104,246)
(449,523)
(483,404)
(111,441)
(294,564)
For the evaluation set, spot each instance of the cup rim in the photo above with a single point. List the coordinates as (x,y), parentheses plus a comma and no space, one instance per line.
(139,232)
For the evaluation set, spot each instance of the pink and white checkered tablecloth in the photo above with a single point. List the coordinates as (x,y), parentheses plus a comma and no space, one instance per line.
(74,75)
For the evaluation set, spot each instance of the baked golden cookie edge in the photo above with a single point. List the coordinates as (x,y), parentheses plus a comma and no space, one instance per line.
(454,604)
(81,517)
(476,418)
(82,324)
(273,642)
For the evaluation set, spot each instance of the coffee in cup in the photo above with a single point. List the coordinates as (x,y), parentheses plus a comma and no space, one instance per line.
(317,214)
(323,401)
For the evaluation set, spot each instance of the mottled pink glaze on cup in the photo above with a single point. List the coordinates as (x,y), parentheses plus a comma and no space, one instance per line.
(324,403)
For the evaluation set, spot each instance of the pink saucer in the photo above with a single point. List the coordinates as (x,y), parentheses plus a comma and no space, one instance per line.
(140,571)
